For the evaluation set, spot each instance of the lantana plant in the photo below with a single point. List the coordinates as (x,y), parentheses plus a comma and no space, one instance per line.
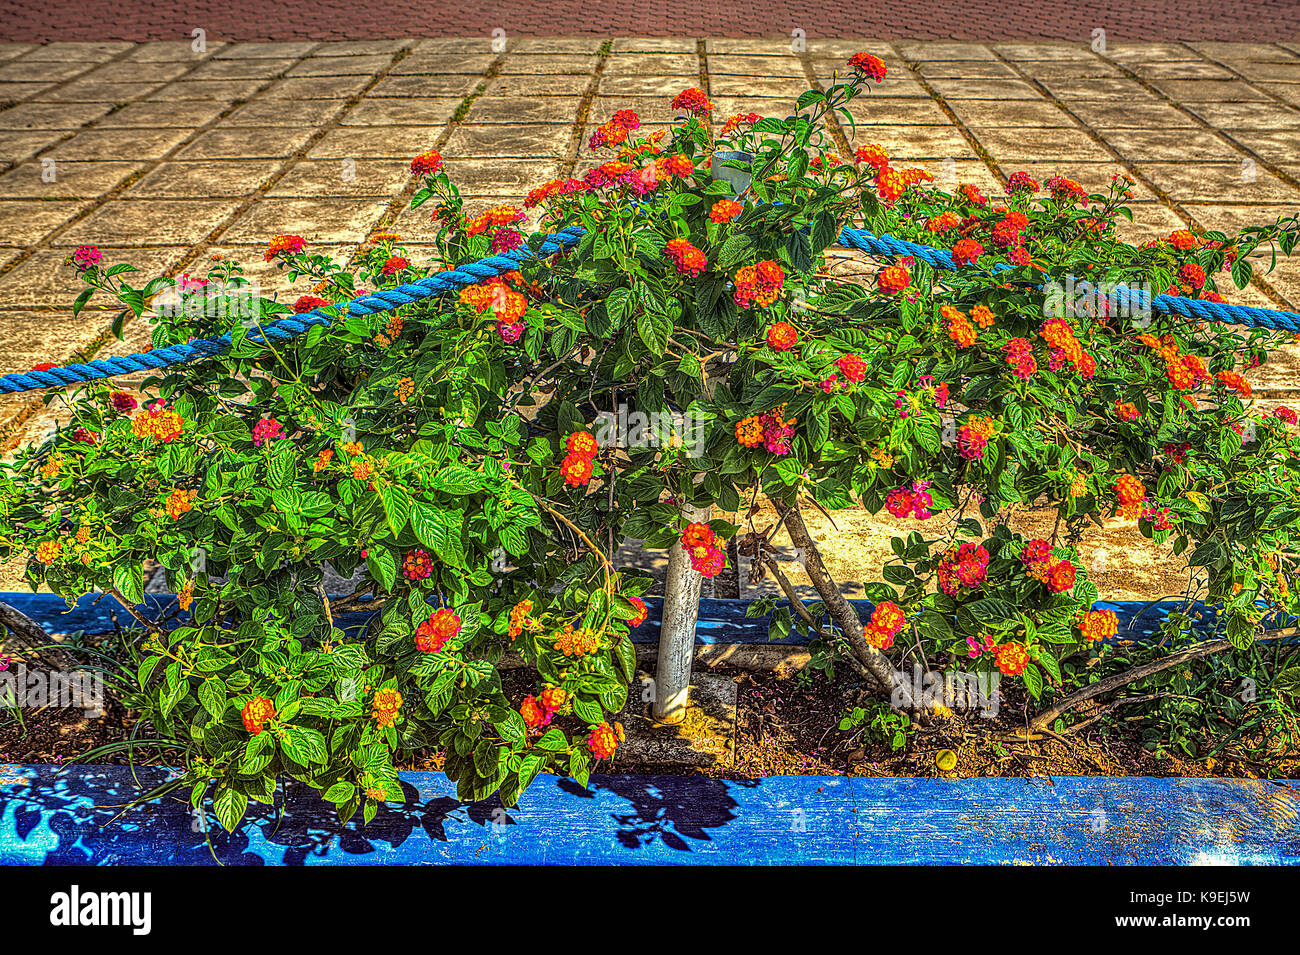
(459,455)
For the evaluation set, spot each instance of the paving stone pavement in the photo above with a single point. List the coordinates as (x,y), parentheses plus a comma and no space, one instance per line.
(164,156)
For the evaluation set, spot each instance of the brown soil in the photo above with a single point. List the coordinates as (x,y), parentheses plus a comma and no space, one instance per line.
(785,726)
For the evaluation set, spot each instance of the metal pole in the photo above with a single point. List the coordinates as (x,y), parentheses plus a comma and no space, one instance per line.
(677,636)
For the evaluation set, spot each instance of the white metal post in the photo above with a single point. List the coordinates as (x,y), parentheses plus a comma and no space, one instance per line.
(677,636)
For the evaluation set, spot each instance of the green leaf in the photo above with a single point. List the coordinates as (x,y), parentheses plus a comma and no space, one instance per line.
(128,579)
(229,807)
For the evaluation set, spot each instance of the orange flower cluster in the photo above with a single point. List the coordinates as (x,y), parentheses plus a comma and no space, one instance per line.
(576,643)
(1131,493)
(942,223)
(1012,658)
(604,740)
(1098,624)
(782,336)
(887,621)
(687,258)
(507,304)
(385,705)
(1065,347)
(873,156)
(577,465)
(678,166)
(749,432)
(519,617)
(405,388)
(432,635)
(960,329)
(323,459)
(53,464)
(892,279)
(1185,372)
(1126,411)
(982,316)
(733,123)
(284,245)
(178,502)
(257,713)
(1183,240)
(428,163)
(496,218)
(155,421)
(47,552)
(724,210)
(1230,379)
(759,283)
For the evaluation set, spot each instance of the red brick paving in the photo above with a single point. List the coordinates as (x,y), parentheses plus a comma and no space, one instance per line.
(92,20)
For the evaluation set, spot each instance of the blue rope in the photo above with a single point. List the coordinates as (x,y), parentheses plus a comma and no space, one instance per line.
(1133,300)
(453,280)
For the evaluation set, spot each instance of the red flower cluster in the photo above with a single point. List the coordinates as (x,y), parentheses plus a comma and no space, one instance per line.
(966,251)
(417,564)
(852,367)
(701,545)
(1021,184)
(1020,356)
(1065,190)
(687,258)
(432,635)
(1037,551)
(864,64)
(309,303)
(578,463)
(1193,275)
(759,283)
(693,101)
(396,263)
(967,565)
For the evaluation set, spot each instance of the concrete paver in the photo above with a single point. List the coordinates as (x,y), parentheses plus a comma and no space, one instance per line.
(165,156)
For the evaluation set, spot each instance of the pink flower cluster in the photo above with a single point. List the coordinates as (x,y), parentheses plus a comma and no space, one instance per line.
(914,501)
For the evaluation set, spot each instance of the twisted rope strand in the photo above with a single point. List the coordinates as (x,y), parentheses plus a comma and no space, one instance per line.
(471,273)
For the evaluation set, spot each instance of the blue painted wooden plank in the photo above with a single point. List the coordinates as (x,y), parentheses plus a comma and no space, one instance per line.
(1079,820)
(67,817)
(720,621)
(54,817)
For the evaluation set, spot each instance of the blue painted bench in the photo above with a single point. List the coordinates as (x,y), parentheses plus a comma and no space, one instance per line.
(50,816)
